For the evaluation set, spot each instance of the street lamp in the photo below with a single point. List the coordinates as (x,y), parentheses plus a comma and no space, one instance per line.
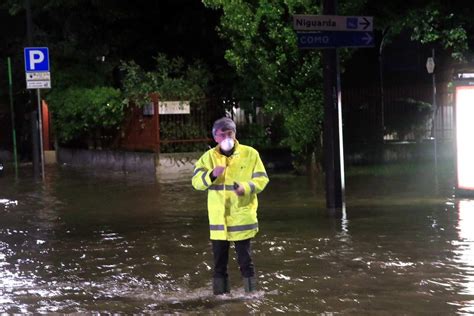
(430,66)
(464,127)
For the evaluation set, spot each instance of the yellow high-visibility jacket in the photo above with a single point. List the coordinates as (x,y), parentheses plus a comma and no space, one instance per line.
(231,217)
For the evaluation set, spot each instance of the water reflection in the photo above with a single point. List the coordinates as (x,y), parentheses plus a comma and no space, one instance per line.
(465,224)
(81,243)
(8,203)
(465,253)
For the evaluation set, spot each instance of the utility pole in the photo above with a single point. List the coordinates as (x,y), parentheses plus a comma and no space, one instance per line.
(332,128)
(12,111)
(33,115)
(380,111)
(430,67)
(344,31)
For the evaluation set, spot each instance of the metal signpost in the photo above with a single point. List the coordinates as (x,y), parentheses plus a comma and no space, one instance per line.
(430,67)
(333,31)
(12,110)
(330,32)
(38,77)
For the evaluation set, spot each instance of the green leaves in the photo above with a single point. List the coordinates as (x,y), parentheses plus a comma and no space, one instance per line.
(431,25)
(287,81)
(171,79)
(80,111)
(413,119)
(263,50)
(83,104)
(427,22)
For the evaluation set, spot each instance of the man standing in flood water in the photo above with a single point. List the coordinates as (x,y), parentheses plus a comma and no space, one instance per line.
(233,175)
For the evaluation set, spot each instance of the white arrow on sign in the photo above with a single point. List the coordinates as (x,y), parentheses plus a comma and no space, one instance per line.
(367,38)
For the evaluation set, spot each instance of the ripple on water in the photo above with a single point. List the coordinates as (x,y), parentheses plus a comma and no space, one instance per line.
(8,203)
(110,236)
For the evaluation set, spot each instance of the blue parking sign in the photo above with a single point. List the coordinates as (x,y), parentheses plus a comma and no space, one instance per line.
(36,59)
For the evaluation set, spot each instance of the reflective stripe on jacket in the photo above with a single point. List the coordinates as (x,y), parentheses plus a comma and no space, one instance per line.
(231,217)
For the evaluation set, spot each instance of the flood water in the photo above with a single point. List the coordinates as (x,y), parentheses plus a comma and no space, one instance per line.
(114,243)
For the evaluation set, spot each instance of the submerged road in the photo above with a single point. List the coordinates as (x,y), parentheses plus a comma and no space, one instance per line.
(114,243)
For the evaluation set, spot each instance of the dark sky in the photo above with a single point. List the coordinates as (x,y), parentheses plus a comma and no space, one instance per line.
(126,29)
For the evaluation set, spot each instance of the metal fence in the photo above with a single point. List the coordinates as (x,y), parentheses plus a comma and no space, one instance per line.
(404,113)
(365,115)
(362,118)
(189,132)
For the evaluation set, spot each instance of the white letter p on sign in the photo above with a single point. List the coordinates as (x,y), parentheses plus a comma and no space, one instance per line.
(36,57)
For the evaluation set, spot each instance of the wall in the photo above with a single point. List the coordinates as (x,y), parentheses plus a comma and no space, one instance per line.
(170,167)
(166,167)
(108,159)
(176,166)
(397,152)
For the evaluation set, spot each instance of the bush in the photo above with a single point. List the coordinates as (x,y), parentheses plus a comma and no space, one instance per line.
(408,118)
(78,112)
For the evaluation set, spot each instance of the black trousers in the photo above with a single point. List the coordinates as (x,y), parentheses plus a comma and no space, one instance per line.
(220,249)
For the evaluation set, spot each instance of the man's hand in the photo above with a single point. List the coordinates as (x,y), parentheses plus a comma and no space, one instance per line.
(217,171)
(239,189)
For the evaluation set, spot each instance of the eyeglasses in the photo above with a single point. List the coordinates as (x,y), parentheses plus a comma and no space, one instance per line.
(228,133)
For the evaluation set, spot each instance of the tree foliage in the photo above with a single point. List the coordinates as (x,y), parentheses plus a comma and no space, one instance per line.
(89,38)
(412,119)
(263,50)
(87,41)
(80,112)
(171,78)
(427,22)
(431,26)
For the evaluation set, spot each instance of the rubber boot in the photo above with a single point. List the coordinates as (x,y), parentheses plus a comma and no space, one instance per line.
(220,286)
(250,284)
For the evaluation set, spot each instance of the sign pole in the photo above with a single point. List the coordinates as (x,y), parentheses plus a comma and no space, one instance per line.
(435,110)
(330,32)
(37,77)
(40,127)
(33,117)
(332,128)
(12,110)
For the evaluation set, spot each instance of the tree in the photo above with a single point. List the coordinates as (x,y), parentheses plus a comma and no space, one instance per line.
(88,38)
(262,48)
(413,120)
(427,21)
(171,78)
(87,41)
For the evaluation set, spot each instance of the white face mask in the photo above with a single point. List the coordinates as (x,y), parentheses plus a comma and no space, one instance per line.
(227,144)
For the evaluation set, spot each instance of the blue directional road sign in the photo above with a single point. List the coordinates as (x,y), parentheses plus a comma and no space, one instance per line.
(335,39)
(36,59)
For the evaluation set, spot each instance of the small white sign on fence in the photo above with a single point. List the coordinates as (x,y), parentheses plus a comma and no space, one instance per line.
(174,107)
